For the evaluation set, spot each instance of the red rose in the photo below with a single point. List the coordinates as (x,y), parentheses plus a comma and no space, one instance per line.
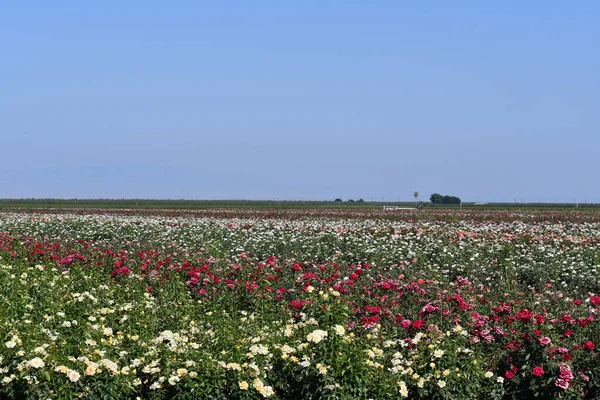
(366,321)
(524,315)
(589,345)
(509,374)
(418,323)
(539,318)
(373,309)
(297,304)
(595,300)
(538,371)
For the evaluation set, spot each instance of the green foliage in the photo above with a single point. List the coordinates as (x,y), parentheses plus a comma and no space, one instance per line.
(437,198)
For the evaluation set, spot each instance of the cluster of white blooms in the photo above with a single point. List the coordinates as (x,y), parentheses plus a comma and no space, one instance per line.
(258,349)
(316,336)
(71,374)
(36,363)
(264,390)
(403,389)
(231,365)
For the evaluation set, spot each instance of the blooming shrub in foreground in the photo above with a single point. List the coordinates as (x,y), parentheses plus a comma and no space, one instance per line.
(130,307)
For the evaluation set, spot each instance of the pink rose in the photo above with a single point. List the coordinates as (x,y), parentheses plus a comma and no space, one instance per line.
(562,383)
(545,341)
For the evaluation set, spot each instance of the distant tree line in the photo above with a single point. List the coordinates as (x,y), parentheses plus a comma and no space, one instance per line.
(338,200)
(437,198)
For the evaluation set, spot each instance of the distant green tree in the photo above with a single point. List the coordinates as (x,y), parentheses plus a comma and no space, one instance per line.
(436,198)
(350,201)
(450,200)
(338,200)
(360,200)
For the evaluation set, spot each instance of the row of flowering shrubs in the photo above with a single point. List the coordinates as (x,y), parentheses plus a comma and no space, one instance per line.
(186,308)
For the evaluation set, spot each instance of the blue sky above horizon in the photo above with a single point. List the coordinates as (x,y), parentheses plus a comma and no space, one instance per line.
(488,101)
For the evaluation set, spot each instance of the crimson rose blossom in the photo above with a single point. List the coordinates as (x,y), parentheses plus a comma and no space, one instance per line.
(373,309)
(418,323)
(595,300)
(509,374)
(589,345)
(538,371)
(297,304)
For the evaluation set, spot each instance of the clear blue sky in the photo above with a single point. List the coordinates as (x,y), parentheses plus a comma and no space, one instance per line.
(489,101)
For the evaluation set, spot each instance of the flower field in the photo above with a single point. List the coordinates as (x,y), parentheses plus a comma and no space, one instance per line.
(307,304)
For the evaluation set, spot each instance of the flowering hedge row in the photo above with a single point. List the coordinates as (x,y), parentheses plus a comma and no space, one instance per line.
(163,307)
